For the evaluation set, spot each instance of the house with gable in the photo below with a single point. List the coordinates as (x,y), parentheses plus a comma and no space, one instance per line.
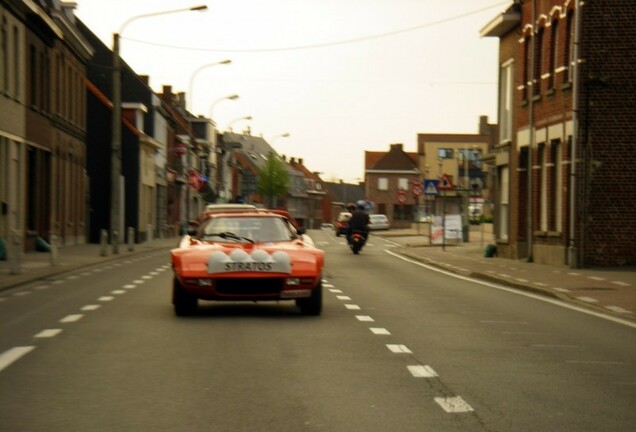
(386,173)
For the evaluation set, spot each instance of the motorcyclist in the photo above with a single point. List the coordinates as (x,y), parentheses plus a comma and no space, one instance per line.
(359,221)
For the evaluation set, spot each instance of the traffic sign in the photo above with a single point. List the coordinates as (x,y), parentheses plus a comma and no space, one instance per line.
(195,179)
(445,183)
(417,189)
(401,196)
(430,187)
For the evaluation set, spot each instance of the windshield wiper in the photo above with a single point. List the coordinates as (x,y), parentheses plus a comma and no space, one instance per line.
(227,235)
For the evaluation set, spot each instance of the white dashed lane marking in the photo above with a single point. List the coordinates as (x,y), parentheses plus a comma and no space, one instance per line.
(379,331)
(420,371)
(366,318)
(48,333)
(453,404)
(12,355)
(343,297)
(106,298)
(71,318)
(91,307)
(352,307)
(398,349)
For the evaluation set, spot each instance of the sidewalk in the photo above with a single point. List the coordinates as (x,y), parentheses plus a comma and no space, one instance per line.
(608,290)
(37,265)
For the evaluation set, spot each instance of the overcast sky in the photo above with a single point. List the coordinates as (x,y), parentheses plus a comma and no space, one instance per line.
(340,76)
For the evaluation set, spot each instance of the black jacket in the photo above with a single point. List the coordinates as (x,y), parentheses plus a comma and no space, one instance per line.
(359,221)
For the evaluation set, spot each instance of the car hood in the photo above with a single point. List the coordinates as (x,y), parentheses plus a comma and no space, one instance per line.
(196,258)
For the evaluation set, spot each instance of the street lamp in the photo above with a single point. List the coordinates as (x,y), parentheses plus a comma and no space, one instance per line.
(196,72)
(283,135)
(229,125)
(230,97)
(116,125)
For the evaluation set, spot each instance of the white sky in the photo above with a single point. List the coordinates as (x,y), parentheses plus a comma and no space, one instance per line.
(335,100)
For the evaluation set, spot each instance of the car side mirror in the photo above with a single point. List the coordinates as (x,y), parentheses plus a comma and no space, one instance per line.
(301,230)
(191,231)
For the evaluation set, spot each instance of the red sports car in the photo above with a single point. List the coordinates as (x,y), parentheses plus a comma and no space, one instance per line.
(250,255)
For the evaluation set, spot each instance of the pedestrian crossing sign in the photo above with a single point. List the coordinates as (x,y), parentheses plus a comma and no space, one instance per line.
(445,183)
(430,187)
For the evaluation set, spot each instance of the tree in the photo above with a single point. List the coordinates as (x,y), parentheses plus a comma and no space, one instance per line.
(273,179)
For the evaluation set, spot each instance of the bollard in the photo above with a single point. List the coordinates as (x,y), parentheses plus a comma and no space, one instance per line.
(131,239)
(55,252)
(15,252)
(115,241)
(149,233)
(103,241)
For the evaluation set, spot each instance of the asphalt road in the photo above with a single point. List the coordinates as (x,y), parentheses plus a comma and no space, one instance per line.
(398,347)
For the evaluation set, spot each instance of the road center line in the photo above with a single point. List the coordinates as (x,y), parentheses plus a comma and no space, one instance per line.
(453,404)
(71,318)
(48,333)
(12,355)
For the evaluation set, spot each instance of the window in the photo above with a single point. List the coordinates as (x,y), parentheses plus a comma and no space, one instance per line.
(505,104)
(538,63)
(527,73)
(445,153)
(4,46)
(403,183)
(383,183)
(556,186)
(504,179)
(569,48)
(543,188)
(554,53)
(16,63)
(33,76)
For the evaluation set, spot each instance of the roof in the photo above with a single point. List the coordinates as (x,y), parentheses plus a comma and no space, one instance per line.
(395,159)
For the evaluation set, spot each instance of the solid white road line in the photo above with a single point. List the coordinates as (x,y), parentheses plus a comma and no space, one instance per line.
(12,355)
(517,292)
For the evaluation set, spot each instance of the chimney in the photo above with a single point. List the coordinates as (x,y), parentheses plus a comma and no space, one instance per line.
(300,161)
(167,93)
(484,128)
(396,147)
(181,99)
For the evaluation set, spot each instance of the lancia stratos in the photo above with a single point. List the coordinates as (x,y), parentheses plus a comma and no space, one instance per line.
(247,256)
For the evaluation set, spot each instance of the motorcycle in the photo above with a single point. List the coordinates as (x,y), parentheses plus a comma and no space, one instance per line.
(357,241)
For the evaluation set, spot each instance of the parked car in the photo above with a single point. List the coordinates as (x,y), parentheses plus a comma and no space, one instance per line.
(379,222)
(247,256)
(342,223)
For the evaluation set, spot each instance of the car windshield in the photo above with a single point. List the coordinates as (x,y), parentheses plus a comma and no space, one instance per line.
(251,229)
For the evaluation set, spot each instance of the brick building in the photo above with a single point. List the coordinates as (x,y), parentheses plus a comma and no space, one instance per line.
(564,159)
(385,173)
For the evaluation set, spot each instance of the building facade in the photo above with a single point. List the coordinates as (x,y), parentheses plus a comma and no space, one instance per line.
(567,172)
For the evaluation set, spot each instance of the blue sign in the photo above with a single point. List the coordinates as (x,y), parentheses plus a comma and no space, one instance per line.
(430,187)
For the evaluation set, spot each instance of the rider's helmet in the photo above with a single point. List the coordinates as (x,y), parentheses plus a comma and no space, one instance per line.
(361,205)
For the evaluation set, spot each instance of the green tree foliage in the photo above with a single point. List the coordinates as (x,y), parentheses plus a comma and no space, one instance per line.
(273,179)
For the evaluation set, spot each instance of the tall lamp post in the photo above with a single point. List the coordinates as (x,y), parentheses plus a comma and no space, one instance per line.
(229,125)
(229,97)
(196,72)
(115,205)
